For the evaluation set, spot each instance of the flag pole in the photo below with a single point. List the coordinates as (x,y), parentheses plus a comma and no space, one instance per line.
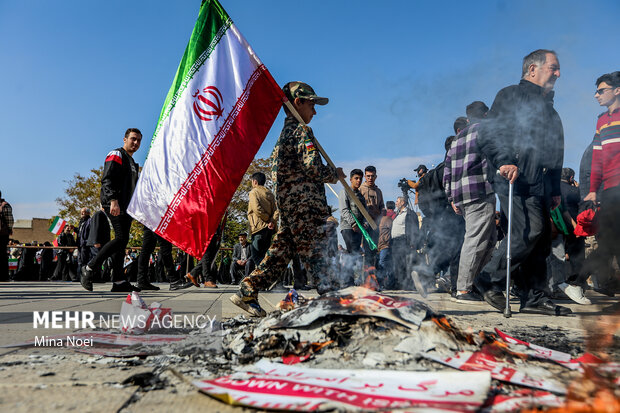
(346,186)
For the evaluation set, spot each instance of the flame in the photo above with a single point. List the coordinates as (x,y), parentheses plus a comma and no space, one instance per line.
(371,282)
(594,391)
(318,346)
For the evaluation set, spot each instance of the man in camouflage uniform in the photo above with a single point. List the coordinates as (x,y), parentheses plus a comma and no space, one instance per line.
(299,176)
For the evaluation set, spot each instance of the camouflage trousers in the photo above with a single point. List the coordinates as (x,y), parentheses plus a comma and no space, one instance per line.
(304,238)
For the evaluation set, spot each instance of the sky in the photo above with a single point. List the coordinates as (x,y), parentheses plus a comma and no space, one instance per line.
(76,74)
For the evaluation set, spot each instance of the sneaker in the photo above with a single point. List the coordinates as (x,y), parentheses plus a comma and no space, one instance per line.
(192,279)
(417,281)
(467,298)
(248,304)
(148,286)
(443,285)
(210,284)
(180,285)
(575,293)
(124,287)
(87,278)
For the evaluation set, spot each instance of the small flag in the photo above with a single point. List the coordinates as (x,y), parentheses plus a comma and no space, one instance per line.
(367,237)
(13,263)
(57,225)
(218,111)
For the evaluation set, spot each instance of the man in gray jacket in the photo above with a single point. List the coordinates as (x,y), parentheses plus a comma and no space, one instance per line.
(349,211)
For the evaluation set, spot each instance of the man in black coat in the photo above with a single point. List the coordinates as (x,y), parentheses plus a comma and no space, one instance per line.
(240,258)
(84,254)
(120,174)
(523,138)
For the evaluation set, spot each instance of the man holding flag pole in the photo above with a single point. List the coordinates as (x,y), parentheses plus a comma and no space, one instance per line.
(220,107)
(299,176)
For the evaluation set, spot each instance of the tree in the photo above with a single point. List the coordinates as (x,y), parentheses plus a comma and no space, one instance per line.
(238,207)
(82,191)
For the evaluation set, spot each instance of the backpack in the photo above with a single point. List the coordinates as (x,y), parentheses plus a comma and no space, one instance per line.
(431,197)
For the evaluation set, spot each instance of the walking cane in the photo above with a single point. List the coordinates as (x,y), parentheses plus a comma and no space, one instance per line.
(508,311)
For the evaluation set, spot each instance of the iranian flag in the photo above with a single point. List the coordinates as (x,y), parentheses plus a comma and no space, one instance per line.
(13,263)
(57,225)
(216,115)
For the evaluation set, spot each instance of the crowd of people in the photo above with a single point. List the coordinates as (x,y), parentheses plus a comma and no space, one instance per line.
(564,236)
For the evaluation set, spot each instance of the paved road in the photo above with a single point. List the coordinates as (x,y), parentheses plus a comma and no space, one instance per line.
(85,384)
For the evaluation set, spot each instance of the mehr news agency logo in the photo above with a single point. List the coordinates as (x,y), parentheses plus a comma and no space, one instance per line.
(127,323)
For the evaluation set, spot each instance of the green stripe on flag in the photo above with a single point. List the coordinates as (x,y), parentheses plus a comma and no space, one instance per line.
(54,222)
(369,240)
(211,25)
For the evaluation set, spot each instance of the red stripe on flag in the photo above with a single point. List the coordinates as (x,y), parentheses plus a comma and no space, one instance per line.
(195,211)
(114,158)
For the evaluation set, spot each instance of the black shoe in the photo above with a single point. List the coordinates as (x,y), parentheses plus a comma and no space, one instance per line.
(124,287)
(180,285)
(301,287)
(87,278)
(467,298)
(148,286)
(547,308)
(605,291)
(495,299)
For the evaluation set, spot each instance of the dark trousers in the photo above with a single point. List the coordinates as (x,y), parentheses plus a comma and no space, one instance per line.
(352,240)
(370,255)
(530,246)
(400,251)
(608,236)
(4,258)
(116,247)
(205,265)
(575,247)
(84,256)
(149,241)
(261,241)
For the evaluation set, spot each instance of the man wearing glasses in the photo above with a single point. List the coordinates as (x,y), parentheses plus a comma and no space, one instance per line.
(376,208)
(605,173)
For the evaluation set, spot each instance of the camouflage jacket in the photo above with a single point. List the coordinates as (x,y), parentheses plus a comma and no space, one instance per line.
(299,174)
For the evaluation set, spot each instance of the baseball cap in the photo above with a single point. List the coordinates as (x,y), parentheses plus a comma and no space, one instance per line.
(421,167)
(302,90)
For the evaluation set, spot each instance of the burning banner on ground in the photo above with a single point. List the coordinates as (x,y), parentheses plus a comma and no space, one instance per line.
(357,301)
(358,328)
(275,386)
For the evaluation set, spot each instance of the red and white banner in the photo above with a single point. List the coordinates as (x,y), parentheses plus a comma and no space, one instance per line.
(293,388)
(500,370)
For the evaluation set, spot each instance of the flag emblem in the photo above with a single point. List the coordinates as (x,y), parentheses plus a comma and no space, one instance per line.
(208,103)
(220,106)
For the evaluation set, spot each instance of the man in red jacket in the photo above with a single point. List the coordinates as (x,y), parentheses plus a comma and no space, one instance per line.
(606,171)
